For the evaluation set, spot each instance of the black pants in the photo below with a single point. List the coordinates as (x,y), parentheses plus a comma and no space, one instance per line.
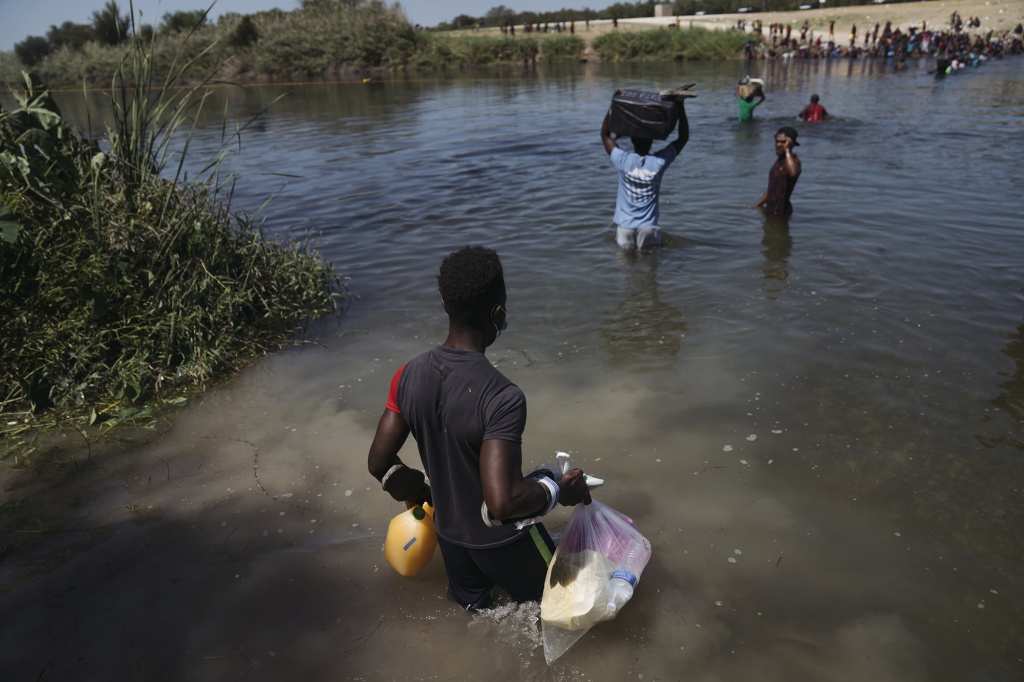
(519,568)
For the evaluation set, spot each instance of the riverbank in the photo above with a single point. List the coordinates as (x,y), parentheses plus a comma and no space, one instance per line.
(996,15)
(366,40)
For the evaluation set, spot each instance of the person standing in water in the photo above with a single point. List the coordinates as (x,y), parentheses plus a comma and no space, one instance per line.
(636,203)
(813,112)
(749,94)
(468,421)
(783,174)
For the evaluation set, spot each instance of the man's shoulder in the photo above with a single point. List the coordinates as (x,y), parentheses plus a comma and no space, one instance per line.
(423,357)
(619,154)
(668,154)
(624,160)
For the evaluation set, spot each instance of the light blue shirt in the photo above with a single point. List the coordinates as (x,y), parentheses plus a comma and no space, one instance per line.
(636,204)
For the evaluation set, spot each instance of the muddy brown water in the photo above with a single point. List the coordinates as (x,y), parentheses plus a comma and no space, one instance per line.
(818,425)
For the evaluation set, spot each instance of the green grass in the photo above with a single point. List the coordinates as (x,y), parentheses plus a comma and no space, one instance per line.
(669,44)
(126,288)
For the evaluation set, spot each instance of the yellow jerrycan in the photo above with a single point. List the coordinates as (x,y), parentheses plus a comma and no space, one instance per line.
(411,540)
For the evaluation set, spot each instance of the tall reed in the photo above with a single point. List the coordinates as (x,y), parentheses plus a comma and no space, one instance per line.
(129,288)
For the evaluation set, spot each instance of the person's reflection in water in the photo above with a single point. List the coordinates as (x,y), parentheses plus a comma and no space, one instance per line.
(641,332)
(777,245)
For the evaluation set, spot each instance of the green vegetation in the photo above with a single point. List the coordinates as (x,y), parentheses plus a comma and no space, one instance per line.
(327,36)
(669,44)
(126,288)
(448,50)
(324,38)
(562,48)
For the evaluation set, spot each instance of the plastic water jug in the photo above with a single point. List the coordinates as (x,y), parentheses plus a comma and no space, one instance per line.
(411,540)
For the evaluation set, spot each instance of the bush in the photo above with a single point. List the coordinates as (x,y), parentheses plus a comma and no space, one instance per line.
(562,48)
(32,50)
(123,285)
(244,34)
(669,44)
(70,34)
(484,49)
(183,20)
(327,35)
(109,26)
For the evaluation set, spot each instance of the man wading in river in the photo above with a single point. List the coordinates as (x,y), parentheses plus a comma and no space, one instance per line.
(813,112)
(468,422)
(636,203)
(783,174)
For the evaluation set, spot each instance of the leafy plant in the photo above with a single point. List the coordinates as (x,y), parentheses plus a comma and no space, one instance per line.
(127,288)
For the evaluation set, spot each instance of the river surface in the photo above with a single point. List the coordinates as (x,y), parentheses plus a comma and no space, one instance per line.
(819,425)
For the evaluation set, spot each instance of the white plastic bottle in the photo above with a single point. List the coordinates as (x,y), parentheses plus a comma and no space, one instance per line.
(627,574)
(620,590)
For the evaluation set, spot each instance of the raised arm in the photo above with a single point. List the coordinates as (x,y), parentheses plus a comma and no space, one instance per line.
(684,129)
(792,164)
(606,133)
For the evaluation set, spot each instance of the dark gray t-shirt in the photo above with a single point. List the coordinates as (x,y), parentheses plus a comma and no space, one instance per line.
(453,401)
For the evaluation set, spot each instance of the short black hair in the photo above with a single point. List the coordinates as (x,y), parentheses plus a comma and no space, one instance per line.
(814,98)
(471,282)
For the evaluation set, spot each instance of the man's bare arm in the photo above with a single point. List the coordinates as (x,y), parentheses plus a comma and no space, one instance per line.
(606,133)
(792,164)
(389,439)
(508,495)
(684,129)
(402,482)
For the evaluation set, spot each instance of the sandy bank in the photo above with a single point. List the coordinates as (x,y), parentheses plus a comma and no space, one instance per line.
(997,15)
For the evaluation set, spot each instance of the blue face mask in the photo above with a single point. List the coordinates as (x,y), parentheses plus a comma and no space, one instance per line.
(504,322)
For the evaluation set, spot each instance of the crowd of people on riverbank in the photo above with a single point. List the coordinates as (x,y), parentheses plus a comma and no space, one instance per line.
(955,43)
(538,27)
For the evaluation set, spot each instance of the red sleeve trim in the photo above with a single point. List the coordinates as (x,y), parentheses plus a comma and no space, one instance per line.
(393,391)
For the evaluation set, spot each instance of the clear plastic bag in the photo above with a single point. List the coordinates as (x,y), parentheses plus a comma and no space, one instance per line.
(591,576)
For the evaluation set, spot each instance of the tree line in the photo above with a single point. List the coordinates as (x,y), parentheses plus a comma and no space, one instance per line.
(110,27)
